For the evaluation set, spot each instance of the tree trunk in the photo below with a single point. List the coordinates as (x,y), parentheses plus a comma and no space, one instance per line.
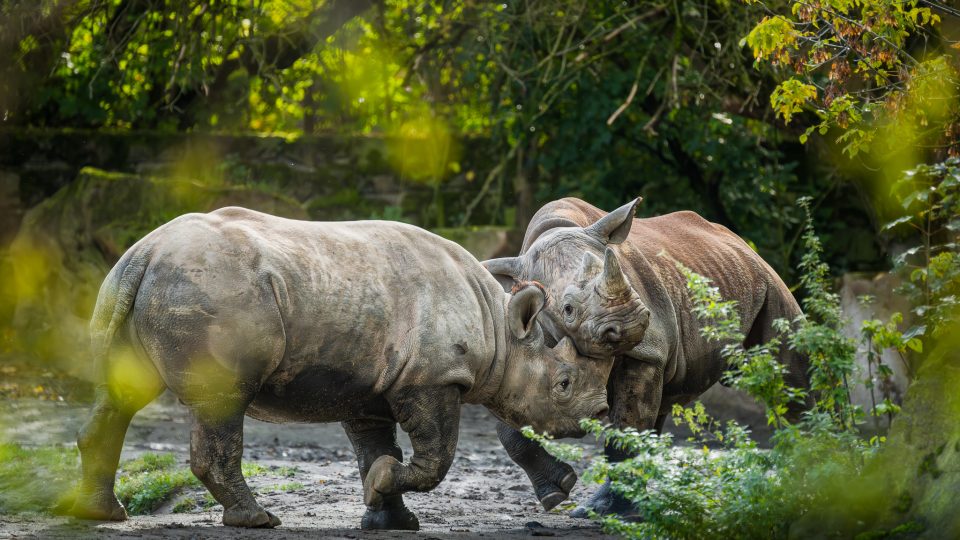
(525,184)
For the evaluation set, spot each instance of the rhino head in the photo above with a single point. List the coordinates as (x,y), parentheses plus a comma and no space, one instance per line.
(550,389)
(591,299)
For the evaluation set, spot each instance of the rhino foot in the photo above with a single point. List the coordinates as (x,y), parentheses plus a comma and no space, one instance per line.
(399,519)
(551,494)
(105,508)
(246,516)
(381,481)
(606,501)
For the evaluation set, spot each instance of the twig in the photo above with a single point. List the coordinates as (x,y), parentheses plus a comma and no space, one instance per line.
(624,105)
(491,176)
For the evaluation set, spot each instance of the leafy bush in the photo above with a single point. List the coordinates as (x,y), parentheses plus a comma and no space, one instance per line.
(930,194)
(146,482)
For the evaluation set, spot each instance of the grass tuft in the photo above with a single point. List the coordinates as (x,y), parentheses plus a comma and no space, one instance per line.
(36,479)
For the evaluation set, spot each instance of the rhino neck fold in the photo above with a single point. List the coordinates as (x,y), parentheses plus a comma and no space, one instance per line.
(490,367)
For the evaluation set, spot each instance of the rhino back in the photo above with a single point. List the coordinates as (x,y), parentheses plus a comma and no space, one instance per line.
(322,317)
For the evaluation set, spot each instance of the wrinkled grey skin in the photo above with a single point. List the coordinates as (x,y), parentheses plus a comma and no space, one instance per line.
(372,324)
(672,363)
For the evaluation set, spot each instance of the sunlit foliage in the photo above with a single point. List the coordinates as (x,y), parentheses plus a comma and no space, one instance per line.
(880,75)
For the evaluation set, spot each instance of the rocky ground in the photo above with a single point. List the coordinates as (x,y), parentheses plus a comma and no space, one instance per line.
(319,493)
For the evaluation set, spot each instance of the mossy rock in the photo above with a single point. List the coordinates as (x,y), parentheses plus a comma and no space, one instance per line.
(68,243)
(909,489)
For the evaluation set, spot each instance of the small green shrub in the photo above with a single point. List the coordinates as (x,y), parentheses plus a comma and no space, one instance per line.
(148,481)
(286,487)
(185,505)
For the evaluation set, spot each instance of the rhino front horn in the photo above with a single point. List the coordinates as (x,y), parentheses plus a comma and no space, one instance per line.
(614,282)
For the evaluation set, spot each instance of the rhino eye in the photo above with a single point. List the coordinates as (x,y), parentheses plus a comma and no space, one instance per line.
(564,384)
(568,310)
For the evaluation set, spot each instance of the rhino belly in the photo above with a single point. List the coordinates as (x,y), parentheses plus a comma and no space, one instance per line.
(317,394)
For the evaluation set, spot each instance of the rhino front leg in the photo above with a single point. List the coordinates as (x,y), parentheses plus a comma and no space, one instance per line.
(216,447)
(552,479)
(635,389)
(431,416)
(372,439)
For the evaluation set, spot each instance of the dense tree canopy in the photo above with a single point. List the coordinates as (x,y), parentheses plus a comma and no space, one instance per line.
(603,100)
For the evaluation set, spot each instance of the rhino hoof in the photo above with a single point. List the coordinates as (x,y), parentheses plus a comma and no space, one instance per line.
(568,482)
(110,510)
(380,481)
(551,494)
(398,519)
(249,517)
(552,500)
(606,501)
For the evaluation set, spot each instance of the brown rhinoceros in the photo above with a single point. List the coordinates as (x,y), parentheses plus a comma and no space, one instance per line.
(664,358)
(367,323)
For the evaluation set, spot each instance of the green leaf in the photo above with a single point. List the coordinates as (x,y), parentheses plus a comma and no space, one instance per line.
(897,222)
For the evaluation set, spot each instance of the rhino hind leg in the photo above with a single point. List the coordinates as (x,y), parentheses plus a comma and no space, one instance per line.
(372,439)
(100,441)
(780,304)
(552,479)
(216,449)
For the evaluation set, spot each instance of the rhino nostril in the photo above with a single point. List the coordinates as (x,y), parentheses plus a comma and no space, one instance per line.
(611,332)
(599,415)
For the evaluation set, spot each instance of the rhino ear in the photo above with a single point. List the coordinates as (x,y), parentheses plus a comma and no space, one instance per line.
(590,266)
(614,227)
(614,283)
(506,270)
(522,310)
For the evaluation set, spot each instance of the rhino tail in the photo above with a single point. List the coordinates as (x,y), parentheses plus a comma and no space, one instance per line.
(117,294)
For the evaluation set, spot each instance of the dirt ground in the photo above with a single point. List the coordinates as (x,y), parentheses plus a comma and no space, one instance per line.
(484,494)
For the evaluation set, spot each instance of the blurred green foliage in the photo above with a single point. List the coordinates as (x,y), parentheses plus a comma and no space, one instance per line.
(602,100)
(930,196)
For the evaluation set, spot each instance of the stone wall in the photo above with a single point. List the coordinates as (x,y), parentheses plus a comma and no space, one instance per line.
(332,177)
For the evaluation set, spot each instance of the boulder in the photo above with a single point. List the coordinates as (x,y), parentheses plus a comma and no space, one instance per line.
(909,489)
(881,288)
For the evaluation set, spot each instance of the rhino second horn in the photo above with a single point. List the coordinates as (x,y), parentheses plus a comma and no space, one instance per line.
(590,266)
(614,282)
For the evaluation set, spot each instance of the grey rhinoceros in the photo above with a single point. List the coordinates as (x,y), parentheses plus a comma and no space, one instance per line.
(649,327)
(367,323)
